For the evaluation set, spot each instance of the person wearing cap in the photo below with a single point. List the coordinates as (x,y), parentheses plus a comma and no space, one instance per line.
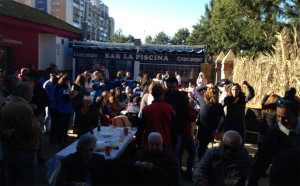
(227,164)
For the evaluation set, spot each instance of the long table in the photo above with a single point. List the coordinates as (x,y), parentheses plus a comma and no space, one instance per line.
(53,164)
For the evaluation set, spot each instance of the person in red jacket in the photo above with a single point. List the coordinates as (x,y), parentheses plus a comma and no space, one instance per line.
(158,117)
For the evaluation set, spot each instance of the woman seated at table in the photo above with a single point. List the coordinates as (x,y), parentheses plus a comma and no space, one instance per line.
(113,100)
(78,167)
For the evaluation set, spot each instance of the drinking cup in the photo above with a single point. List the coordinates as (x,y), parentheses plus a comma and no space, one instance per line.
(125,131)
(107,149)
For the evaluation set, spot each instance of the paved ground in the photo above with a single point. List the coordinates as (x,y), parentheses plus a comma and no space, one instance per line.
(49,150)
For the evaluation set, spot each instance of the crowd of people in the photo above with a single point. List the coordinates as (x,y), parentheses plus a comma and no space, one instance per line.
(166,115)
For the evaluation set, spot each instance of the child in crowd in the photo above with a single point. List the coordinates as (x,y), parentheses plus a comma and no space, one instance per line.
(98,85)
(138,90)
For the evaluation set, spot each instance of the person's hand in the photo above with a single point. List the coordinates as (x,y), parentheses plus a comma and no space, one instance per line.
(270,92)
(210,85)
(139,165)
(102,84)
(148,165)
(245,83)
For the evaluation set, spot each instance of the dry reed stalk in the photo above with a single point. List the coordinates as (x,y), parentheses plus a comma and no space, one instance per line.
(278,71)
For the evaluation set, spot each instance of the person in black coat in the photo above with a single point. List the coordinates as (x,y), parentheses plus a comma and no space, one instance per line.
(227,164)
(78,167)
(157,166)
(279,136)
(210,118)
(235,105)
(40,99)
(77,101)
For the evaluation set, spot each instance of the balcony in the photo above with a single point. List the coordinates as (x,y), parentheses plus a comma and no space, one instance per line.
(76,5)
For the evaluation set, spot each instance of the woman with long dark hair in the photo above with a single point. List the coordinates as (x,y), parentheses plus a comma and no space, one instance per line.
(78,101)
(235,104)
(211,116)
(115,107)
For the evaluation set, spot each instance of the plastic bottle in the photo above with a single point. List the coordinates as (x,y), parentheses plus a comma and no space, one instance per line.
(99,125)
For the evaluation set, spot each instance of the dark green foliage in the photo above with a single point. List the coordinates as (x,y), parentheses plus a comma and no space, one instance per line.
(119,37)
(180,37)
(247,27)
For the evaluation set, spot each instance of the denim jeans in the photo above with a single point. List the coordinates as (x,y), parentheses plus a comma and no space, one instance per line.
(47,121)
(20,168)
(175,152)
(188,145)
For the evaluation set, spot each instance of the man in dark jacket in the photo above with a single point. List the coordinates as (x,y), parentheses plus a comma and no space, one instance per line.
(225,165)
(279,137)
(180,103)
(156,164)
(79,166)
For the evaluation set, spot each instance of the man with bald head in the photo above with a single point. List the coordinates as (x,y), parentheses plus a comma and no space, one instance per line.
(228,164)
(156,164)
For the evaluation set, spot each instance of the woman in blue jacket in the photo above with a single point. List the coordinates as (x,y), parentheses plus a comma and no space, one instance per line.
(64,108)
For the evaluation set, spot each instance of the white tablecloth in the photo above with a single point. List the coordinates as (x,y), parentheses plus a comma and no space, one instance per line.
(54,162)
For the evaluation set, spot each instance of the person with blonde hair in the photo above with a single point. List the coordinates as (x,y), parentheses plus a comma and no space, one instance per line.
(158,78)
(89,87)
(148,98)
(201,80)
(268,113)
(211,116)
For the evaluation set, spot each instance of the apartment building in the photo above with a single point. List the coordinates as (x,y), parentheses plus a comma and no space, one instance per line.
(100,25)
(111,30)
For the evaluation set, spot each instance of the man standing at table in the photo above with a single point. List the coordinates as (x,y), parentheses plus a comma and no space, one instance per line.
(21,131)
(181,105)
(156,164)
(158,117)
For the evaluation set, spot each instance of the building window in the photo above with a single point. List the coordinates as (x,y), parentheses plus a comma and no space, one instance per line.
(57,17)
(57,3)
(57,10)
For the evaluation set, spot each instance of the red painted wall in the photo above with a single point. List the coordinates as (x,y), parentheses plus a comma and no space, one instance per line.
(28,33)
(25,53)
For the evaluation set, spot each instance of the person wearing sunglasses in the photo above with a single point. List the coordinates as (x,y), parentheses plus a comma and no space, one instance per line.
(227,164)
(279,136)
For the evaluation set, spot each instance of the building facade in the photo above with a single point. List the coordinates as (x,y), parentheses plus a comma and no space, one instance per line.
(152,59)
(26,40)
(100,25)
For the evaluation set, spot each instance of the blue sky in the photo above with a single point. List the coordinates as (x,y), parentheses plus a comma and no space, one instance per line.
(149,17)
